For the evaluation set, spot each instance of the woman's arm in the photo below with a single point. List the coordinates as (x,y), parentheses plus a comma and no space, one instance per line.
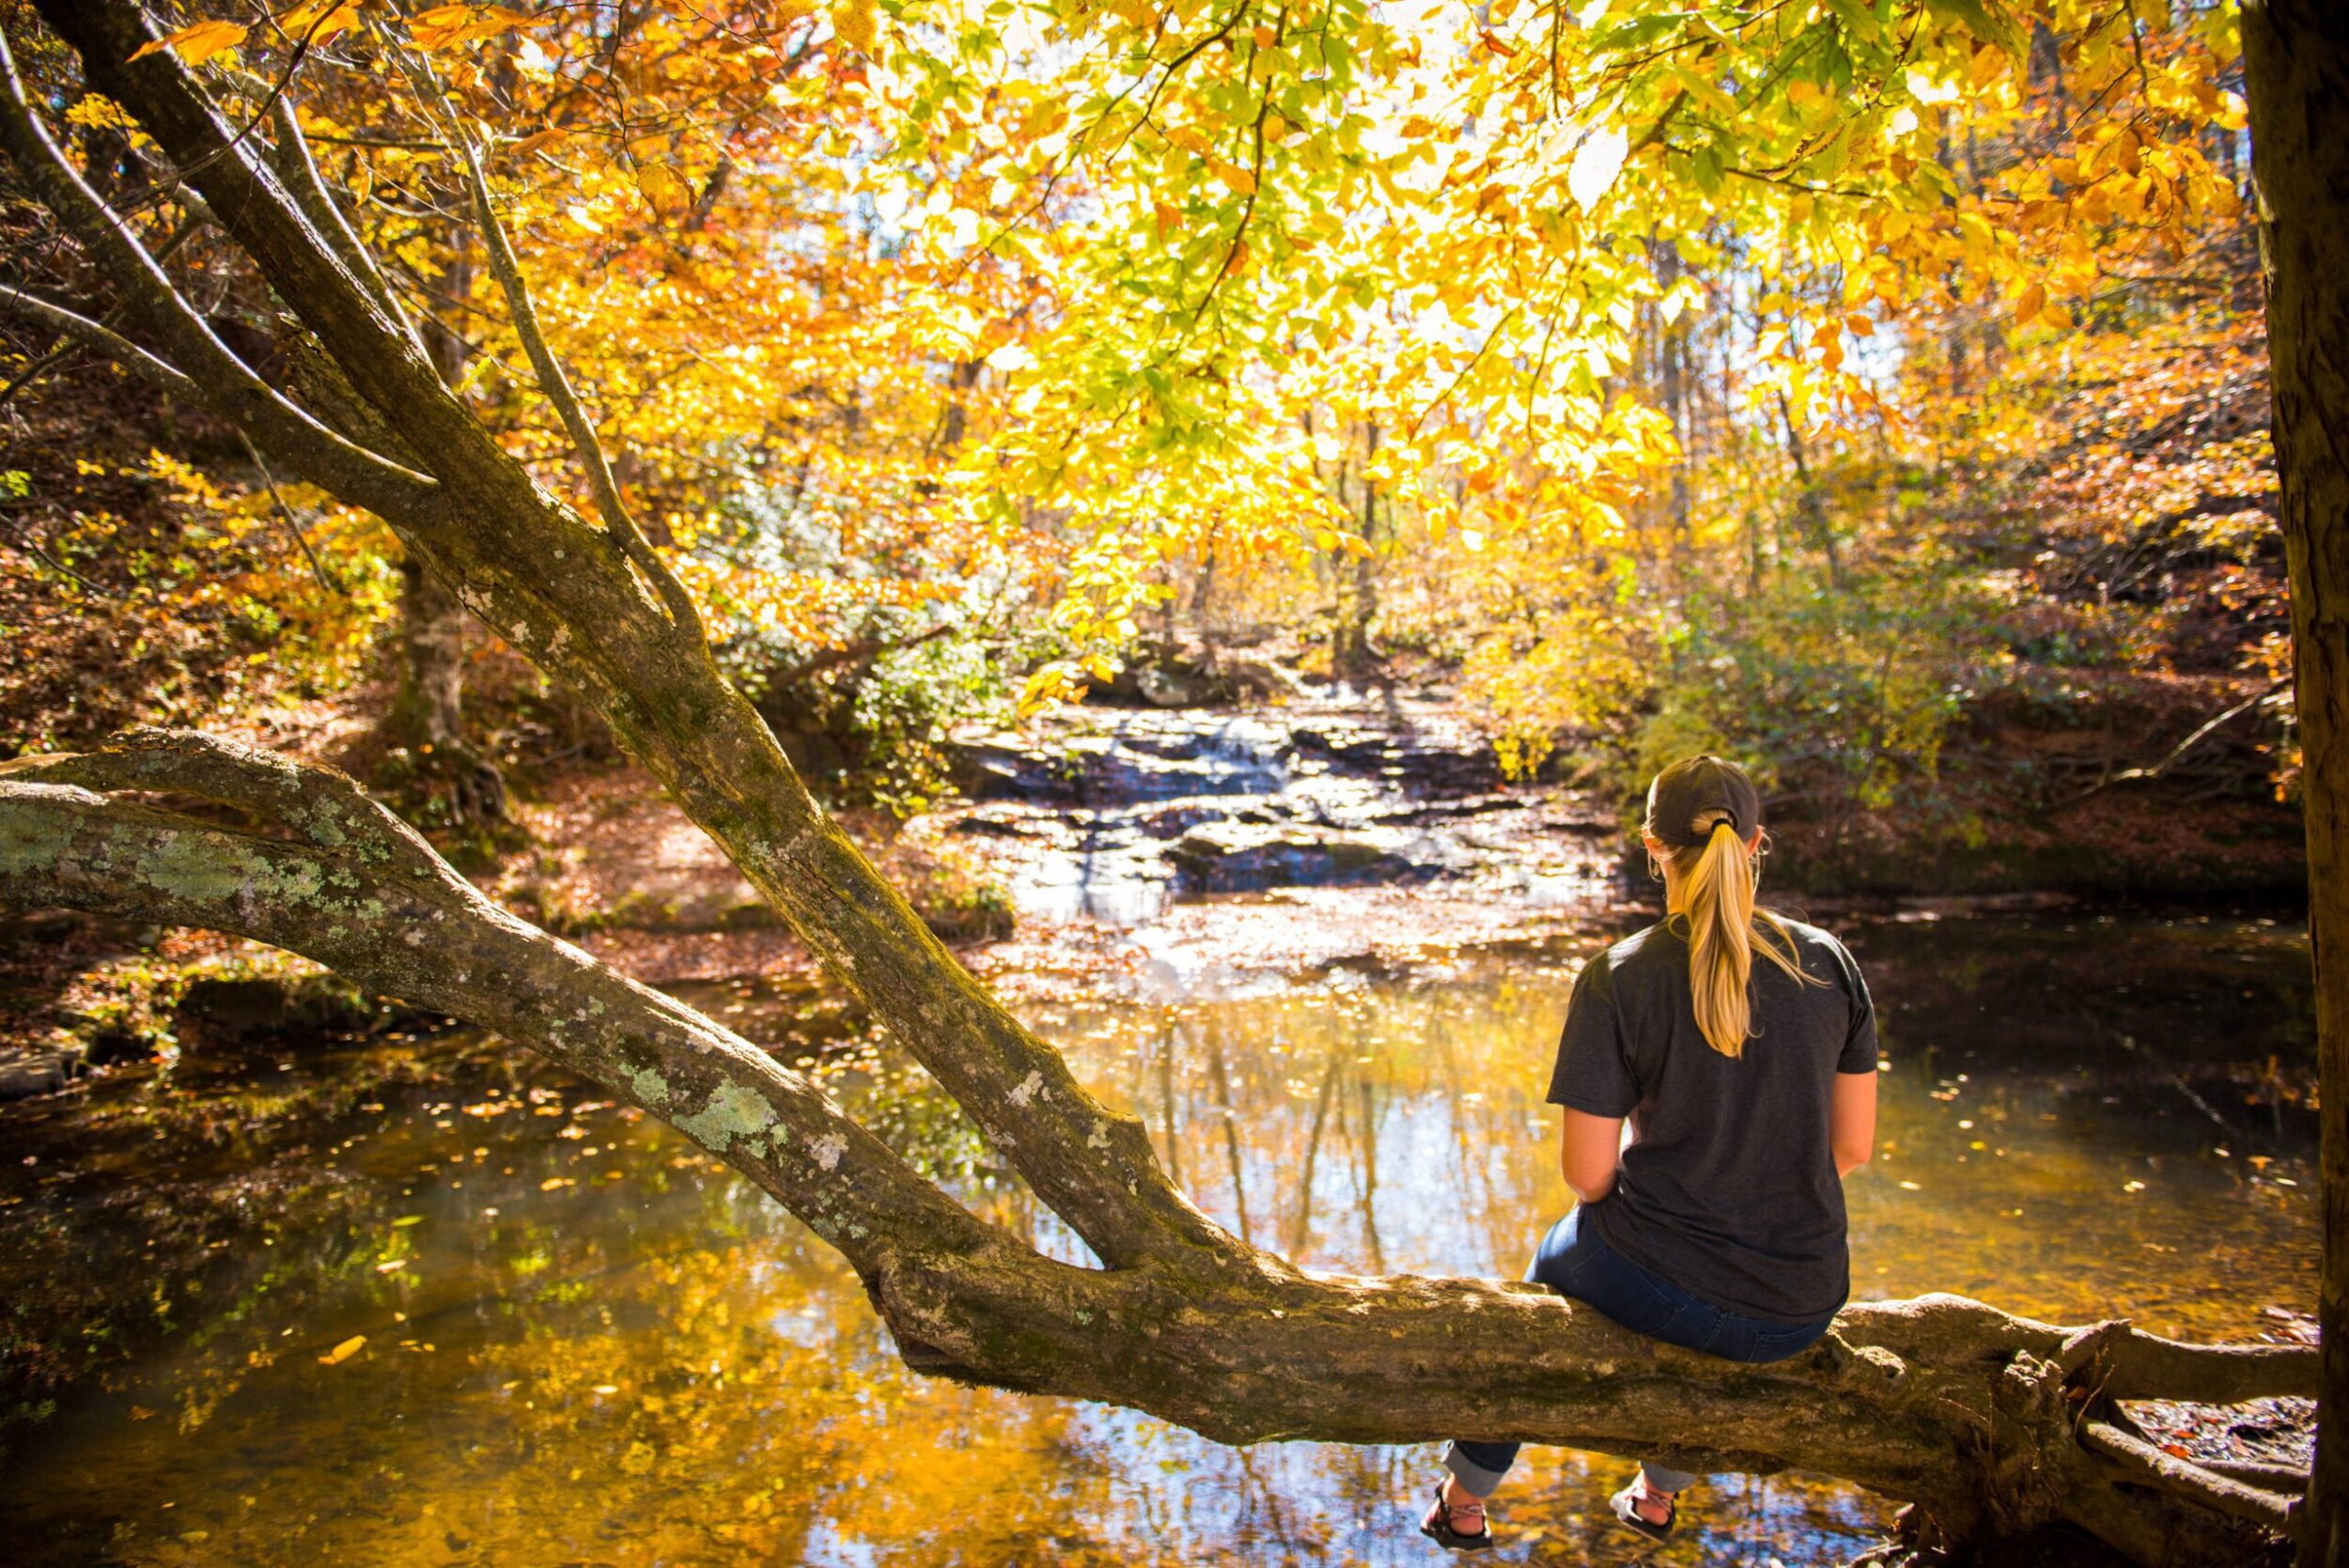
(1851,1120)
(1590,1152)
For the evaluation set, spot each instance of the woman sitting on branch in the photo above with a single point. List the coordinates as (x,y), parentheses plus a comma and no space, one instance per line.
(1713,1107)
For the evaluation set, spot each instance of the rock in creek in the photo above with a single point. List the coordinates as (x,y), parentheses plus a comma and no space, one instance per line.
(1107,812)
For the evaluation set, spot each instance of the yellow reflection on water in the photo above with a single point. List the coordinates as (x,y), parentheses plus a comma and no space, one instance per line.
(582,1343)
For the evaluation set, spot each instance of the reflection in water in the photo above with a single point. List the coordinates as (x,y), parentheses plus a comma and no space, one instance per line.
(582,1342)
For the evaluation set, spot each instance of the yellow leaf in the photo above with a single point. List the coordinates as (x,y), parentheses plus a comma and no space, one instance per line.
(1232,174)
(853,21)
(446,27)
(2034,298)
(318,20)
(343,1352)
(198,43)
(1055,682)
(661,186)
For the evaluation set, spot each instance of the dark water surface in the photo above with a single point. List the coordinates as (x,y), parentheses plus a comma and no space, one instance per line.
(577,1341)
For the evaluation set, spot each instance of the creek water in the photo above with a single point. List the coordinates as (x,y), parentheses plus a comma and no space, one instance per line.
(427,1301)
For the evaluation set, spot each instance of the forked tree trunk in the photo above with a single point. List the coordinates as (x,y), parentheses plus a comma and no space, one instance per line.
(2297,66)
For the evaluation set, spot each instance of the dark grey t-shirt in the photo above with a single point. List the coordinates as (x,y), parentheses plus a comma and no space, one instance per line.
(1728,1191)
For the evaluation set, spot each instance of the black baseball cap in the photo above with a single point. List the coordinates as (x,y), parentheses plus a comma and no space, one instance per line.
(1695,786)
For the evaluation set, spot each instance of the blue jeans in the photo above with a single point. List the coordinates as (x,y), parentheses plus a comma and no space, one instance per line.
(1573,1261)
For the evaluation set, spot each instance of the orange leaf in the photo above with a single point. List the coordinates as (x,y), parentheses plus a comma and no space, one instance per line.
(446,27)
(198,43)
(343,1352)
(2034,299)
(853,22)
(318,20)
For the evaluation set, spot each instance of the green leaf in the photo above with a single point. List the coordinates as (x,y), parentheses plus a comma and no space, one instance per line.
(1978,19)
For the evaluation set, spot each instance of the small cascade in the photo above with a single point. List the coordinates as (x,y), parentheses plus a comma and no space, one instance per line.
(1110,813)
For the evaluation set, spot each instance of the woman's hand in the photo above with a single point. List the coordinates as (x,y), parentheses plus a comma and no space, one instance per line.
(1591,1152)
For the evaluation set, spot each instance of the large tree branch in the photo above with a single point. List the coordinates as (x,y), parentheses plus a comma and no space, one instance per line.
(383,362)
(356,889)
(1941,1399)
(291,157)
(227,383)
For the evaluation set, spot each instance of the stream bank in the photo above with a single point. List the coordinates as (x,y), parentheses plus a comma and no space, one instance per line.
(1172,848)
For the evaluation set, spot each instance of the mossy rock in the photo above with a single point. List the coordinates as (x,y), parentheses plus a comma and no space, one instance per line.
(261,1010)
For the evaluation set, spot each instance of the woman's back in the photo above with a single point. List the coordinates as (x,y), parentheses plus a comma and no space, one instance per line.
(1729,1189)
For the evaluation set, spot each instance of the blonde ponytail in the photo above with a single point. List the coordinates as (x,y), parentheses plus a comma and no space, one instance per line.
(1725,930)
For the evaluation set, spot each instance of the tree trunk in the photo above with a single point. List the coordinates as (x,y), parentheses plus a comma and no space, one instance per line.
(427,713)
(2297,67)
(1985,1418)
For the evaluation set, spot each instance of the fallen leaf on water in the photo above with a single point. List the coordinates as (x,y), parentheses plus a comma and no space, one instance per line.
(553,1182)
(343,1352)
(387,1267)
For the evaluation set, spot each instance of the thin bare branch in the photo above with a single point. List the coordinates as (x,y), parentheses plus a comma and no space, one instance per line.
(291,157)
(552,379)
(104,339)
(293,523)
(207,367)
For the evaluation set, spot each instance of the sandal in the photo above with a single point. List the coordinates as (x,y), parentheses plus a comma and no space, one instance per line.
(1624,1502)
(1438,1527)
